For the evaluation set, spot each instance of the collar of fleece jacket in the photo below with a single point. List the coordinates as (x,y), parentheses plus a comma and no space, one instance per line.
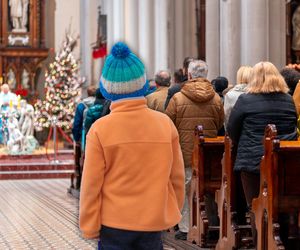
(128,104)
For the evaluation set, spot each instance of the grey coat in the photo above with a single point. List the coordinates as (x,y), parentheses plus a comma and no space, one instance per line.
(231,98)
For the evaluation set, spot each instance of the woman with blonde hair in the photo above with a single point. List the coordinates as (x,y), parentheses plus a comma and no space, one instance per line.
(243,77)
(265,102)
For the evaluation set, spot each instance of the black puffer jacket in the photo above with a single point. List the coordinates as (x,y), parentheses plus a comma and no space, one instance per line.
(247,122)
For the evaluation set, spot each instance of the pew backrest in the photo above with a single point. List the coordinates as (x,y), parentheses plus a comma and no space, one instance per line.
(206,179)
(279,187)
(207,156)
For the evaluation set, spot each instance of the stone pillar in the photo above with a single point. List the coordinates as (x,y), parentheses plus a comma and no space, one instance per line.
(118,23)
(85,50)
(182,39)
(146,35)
(132,24)
(230,41)
(190,29)
(213,38)
(161,34)
(110,23)
(176,41)
(277,26)
(255,31)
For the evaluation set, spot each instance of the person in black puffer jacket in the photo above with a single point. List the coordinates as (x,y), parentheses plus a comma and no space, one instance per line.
(266,102)
(180,80)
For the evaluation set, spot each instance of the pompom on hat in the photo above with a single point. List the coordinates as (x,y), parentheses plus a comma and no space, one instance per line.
(123,74)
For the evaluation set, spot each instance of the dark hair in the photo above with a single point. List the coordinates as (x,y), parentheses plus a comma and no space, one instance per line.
(91,90)
(163,78)
(186,63)
(178,76)
(220,84)
(99,94)
(291,77)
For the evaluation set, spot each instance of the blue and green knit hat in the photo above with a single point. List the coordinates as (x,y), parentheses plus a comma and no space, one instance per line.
(123,74)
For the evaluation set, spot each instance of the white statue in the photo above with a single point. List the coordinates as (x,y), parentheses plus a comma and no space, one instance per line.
(25,14)
(7,98)
(15,143)
(26,118)
(19,15)
(25,79)
(296,29)
(11,79)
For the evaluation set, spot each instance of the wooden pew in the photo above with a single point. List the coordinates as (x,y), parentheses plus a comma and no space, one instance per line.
(231,231)
(279,190)
(206,179)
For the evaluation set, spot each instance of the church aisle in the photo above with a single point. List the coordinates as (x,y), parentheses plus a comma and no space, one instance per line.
(39,214)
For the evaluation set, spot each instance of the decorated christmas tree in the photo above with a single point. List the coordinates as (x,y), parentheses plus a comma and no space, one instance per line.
(62,88)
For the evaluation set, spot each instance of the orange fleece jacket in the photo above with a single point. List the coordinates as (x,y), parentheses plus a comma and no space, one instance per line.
(133,175)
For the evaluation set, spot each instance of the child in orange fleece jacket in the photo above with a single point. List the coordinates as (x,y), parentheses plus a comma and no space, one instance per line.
(133,177)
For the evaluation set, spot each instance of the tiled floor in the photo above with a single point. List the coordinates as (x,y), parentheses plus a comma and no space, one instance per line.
(39,214)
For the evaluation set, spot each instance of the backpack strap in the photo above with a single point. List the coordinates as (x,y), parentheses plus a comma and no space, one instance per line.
(106,108)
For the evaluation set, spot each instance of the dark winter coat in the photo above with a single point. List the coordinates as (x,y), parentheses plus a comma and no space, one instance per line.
(95,112)
(172,91)
(78,119)
(248,119)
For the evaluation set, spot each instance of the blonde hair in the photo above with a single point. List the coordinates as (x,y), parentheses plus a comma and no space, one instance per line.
(244,74)
(266,79)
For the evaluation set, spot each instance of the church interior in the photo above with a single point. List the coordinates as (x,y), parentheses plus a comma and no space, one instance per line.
(62,65)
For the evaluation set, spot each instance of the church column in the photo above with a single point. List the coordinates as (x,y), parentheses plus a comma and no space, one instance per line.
(86,59)
(146,38)
(109,10)
(213,38)
(277,26)
(190,29)
(118,24)
(161,34)
(230,46)
(255,31)
(93,17)
(177,34)
(132,24)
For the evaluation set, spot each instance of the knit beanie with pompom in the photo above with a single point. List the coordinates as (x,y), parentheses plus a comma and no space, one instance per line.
(123,74)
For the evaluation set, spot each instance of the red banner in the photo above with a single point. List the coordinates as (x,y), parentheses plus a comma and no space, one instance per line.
(100,52)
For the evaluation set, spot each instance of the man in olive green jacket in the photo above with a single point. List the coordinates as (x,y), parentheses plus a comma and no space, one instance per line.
(157,99)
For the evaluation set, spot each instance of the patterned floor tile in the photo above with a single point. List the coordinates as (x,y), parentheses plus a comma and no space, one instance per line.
(39,214)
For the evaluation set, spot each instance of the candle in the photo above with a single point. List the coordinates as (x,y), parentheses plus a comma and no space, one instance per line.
(19,101)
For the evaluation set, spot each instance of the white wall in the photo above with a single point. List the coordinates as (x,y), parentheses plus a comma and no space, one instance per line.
(67,12)
(59,15)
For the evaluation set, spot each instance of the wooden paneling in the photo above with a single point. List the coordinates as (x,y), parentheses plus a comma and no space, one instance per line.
(19,56)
